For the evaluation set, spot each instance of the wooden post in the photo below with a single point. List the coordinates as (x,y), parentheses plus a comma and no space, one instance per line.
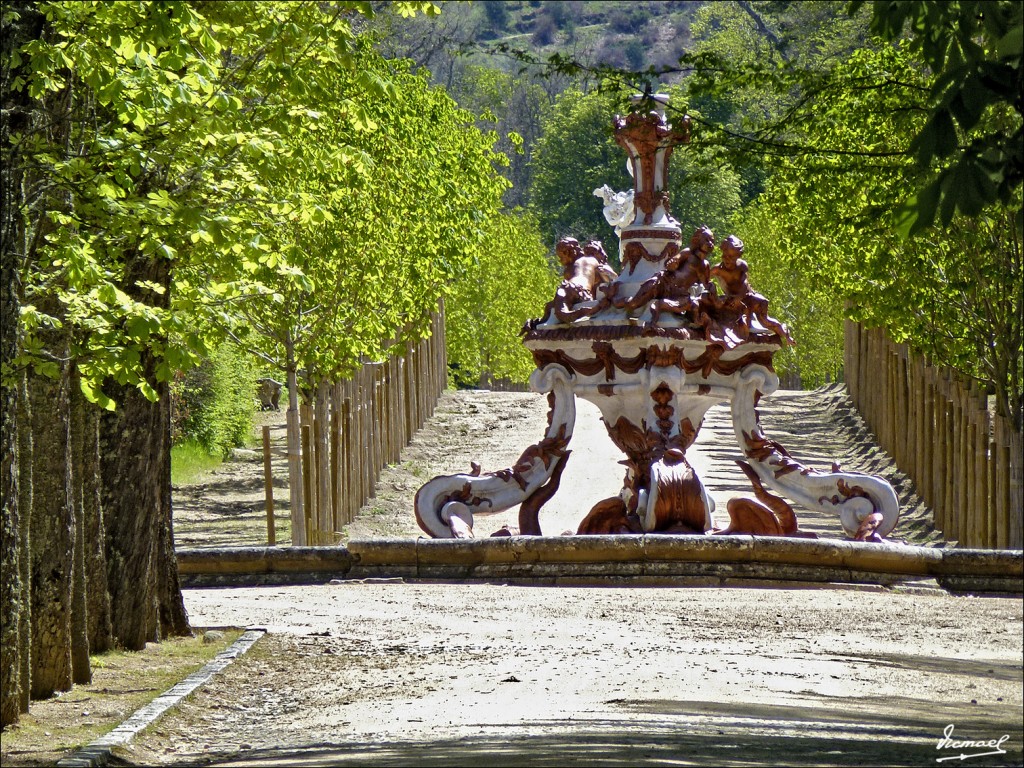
(410,398)
(862,360)
(928,436)
(922,433)
(1015,491)
(307,485)
(366,392)
(991,467)
(939,466)
(295,481)
(388,407)
(420,384)
(1002,483)
(848,357)
(373,421)
(892,396)
(337,460)
(979,448)
(959,460)
(268,488)
(350,504)
(322,453)
(359,437)
(948,454)
(398,375)
(904,426)
(442,341)
(971,501)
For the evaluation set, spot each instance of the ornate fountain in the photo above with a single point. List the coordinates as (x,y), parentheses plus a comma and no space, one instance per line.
(654,348)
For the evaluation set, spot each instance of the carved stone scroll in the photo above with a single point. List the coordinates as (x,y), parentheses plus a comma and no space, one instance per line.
(460,498)
(852,496)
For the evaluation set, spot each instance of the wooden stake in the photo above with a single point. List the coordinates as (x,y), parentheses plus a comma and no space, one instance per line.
(268,488)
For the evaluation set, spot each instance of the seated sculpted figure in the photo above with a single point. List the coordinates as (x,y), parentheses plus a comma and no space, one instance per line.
(584,271)
(739,296)
(678,288)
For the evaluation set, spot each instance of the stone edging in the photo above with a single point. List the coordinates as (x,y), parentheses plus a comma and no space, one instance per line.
(100,751)
(625,560)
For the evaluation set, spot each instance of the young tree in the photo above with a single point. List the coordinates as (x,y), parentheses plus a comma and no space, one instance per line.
(509,283)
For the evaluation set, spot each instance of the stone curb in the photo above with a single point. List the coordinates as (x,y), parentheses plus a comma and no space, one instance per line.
(100,751)
(642,560)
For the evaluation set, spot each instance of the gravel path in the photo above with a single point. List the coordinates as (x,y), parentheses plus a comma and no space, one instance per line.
(394,673)
(451,674)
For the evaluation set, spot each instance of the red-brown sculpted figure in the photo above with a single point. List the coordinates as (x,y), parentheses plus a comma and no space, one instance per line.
(739,296)
(673,289)
(582,273)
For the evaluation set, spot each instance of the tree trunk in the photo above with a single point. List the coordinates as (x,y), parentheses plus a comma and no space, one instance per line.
(11,607)
(293,450)
(25,455)
(97,597)
(173,618)
(21,22)
(81,669)
(135,442)
(130,452)
(52,534)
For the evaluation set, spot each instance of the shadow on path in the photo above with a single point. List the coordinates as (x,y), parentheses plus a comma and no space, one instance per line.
(670,732)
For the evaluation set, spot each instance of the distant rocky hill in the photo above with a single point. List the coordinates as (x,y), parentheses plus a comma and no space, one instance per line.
(628,33)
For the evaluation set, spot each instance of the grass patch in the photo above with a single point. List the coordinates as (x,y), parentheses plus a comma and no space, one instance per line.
(190,461)
(122,681)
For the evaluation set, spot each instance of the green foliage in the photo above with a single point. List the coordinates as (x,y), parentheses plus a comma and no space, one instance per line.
(511,106)
(160,162)
(510,283)
(975,51)
(575,155)
(836,133)
(797,297)
(953,293)
(399,216)
(213,403)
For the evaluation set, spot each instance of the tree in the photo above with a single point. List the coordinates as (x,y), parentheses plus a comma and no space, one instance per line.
(974,50)
(509,283)
(403,198)
(954,292)
(13,605)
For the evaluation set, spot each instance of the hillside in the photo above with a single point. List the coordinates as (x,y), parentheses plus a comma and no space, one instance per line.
(620,34)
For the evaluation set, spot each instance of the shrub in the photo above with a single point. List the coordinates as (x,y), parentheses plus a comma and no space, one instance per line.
(213,403)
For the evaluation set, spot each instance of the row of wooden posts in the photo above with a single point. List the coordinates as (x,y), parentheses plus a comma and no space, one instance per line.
(964,460)
(350,431)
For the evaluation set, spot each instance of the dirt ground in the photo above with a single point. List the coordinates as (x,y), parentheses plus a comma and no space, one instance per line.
(466,675)
(394,673)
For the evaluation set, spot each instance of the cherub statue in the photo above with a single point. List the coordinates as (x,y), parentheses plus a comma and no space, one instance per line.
(584,271)
(739,296)
(679,288)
